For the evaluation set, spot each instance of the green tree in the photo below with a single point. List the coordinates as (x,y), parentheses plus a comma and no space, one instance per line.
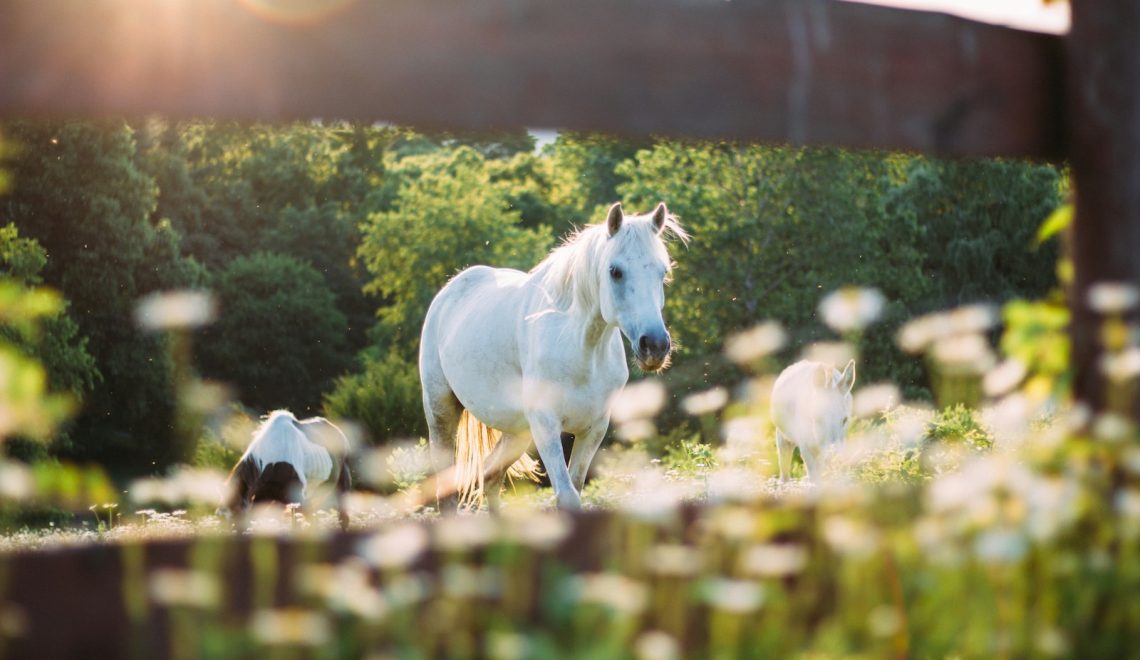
(326,238)
(979,220)
(588,177)
(50,339)
(775,229)
(57,343)
(447,215)
(79,193)
(279,337)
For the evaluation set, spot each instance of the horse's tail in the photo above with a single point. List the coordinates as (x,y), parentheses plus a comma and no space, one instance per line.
(474,441)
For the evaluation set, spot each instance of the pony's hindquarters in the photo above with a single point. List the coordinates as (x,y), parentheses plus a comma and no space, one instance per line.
(474,443)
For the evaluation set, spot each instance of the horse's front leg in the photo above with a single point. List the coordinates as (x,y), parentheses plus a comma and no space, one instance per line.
(547,431)
(585,447)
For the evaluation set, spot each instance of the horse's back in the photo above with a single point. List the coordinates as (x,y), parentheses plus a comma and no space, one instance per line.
(476,312)
(472,340)
(282,439)
(794,387)
(476,291)
(324,433)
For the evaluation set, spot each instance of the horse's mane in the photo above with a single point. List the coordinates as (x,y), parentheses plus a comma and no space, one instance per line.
(571,272)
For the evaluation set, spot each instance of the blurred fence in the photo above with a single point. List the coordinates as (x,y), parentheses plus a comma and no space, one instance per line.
(798,71)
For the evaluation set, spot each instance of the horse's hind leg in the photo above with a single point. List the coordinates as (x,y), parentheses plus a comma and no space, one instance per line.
(505,453)
(811,463)
(784,449)
(442,410)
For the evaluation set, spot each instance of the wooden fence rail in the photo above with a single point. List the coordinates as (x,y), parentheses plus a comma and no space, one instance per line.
(799,71)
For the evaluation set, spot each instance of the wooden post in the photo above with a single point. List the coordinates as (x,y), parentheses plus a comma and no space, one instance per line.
(1103,91)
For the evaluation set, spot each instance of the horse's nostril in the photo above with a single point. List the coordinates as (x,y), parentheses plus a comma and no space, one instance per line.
(643,343)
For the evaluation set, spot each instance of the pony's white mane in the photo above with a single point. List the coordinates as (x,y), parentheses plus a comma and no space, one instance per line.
(571,274)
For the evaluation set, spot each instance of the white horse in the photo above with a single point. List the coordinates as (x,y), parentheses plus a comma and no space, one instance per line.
(811,407)
(291,461)
(536,354)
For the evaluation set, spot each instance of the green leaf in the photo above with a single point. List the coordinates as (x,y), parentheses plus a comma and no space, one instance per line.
(1058,221)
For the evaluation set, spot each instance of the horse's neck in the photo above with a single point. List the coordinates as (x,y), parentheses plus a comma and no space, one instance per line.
(591,331)
(595,334)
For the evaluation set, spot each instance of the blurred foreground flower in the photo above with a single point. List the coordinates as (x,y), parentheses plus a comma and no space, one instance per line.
(774,559)
(963,353)
(835,353)
(346,588)
(751,345)
(872,400)
(735,596)
(1004,377)
(850,536)
(534,528)
(185,486)
(656,645)
(705,402)
(291,627)
(175,310)
(464,532)
(674,560)
(186,588)
(633,406)
(1113,297)
(1000,546)
(612,590)
(918,334)
(16,481)
(851,308)
(395,548)
(641,400)
(1123,366)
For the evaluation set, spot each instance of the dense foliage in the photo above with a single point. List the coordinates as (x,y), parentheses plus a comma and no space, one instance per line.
(279,338)
(325,244)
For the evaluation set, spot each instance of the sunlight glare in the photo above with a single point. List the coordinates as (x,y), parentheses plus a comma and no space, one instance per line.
(296,12)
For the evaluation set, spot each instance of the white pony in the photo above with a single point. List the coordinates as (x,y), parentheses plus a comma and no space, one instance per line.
(533,355)
(290,461)
(811,406)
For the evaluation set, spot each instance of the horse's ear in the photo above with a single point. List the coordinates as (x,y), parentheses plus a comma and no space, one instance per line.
(614,218)
(847,378)
(659,215)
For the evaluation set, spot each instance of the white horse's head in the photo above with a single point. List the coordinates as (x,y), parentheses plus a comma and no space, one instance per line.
(831,413)
(632,274)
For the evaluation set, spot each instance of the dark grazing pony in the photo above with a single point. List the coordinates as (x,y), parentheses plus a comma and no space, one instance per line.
(291,461)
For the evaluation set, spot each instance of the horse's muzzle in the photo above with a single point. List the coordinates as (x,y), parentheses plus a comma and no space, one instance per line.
(652,351)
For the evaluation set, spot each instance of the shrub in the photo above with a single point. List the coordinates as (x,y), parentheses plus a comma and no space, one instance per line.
(384,398)
(960,424)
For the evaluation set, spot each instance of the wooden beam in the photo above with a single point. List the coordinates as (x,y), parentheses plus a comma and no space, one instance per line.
(1104,102)
(797,71)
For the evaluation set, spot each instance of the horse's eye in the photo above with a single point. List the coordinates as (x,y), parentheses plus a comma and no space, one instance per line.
(615,272)
(845,421)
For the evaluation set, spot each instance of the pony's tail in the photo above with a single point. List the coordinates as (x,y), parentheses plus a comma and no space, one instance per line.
(474,441)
